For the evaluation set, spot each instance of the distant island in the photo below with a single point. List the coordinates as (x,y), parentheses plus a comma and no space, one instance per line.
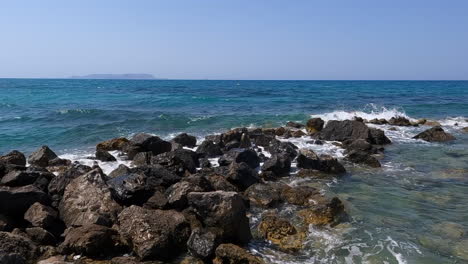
(126,76)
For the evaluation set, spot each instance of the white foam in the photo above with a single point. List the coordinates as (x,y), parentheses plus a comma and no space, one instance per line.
(374,112)
(107,167)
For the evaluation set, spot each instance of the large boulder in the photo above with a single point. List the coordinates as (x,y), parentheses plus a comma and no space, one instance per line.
(324,213)
(58,184)
(248,156)
(209,149)
(277,147)
(177,194)
(307,159)
(203,242)
(88,200)
(22,177)
(232,254)
(178,161)
(278,164)
(103,155)
(241,175)
(40,236)
(265,194)
(185,140)
(154,234)
(40,215)
(42,157)
(352,130)
(113,144)
(91,240)
(157,175)
(435,134)
(6,223)
(329,164)
(314,125)
(131,188)
(14,157)
(145,142)
(224,210)
(15,249)
(301,195)
(15,201)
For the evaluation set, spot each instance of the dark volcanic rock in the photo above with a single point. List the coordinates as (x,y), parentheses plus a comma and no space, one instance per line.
(58,184)
(132,188)
(278,164)
(362,157)
(376,121)
(42,157)
(224,210)
(307,159)
(329,164)
(352,130)
(143,158)
(113,144)
(177,194)
(275,229)
(314,125)
(378,137)
(203,242)
(265,194)
(399,121)
(6,224)
(248,156)
(157,175)
(294,124)
(232,254)
(164,235)
(14,157)
(91,240)
(19,178)
(41,216)
(145,142)
(103,155)
(277,147)
(121,170)
(16,249)
(178,161)
(435,134)
(15,201)
(300,195)
(359,145)
(157,201)
(241,175)
(87,200)
(209,149)
(185,140)
(40,236)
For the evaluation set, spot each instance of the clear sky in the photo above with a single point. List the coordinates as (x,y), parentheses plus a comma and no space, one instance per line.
(238,39)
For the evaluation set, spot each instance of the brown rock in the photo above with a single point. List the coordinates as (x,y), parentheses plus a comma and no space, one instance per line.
(232,254)
(328,213)
(41,216)
(112,144)
(314,125)
(435,134)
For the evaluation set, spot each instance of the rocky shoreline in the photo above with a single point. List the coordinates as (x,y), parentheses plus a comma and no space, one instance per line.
(181,201)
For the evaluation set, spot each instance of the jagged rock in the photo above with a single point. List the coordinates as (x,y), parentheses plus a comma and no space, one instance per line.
(121,170)
(245,141)
(435,134)
(185,140)
(41,216)
(15,249)
(145,142)
(301,195)
(352,130)
(87,200)
(248,156)
(132,188)
(220,183)
(177,194)
(265,194)
(324,213)
(329,164)
(157,201)
(241,175)
(40,236)
(113,144)
(209,149)
(278,164)
(233,135)
(91,240)
(224,210)
(276,147)
(58,184)
(142,158)
(203,242)
(261,137)
(362,157)
(178,161)
(307,159)
(19,178)
(14,157)
(232,254)
(103,155)
(164,235)
(157,175)
(16,200)
(399,121)
(42,156)
(378,137)
(314,125)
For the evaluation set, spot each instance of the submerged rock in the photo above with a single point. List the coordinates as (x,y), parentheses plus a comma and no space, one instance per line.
(435,134)
(154,234)
(328,213)
(362,157)
(449,230)
(41,216)
(232,254)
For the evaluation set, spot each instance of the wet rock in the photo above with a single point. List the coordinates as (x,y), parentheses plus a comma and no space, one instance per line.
(248,156)
(205,163)
(311,173)
(178,161)
(40,236)
(314,125)
(203,242)
(14,157)
(224,210)
(307,159)
(376,121)
(232,254)
(145,142)
(297,133)
(103,155)
(324,213)
(301,195)
(261,138)
(191,260)
(351,130)
(87,200)
(359,145)
(16,200)
(157,175)
(41,216)
(91,240)
(280,232)
(164,235)
(233,135)
(157,201)
(432,123)
(465,130)
(399,121)
(265,194)
(185,140)
(15,249)
(245,141)
(113,144)
(449,230)
(278,164)
(362,157)
(277,147)
(435,134)
(132,188)
(142,158)
(121,170)
(42,157)
(294,124)
(329,164)
(378,137)
(54,260)
(241,175)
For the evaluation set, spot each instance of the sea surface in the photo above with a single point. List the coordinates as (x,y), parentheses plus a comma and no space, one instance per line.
(412,210)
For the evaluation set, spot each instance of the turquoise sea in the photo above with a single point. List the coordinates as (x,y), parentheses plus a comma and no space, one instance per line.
(412,210)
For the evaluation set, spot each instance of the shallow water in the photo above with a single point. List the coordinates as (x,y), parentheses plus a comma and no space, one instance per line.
(403,212)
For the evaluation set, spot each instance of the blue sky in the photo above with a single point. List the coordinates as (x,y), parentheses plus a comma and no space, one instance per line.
(252,39)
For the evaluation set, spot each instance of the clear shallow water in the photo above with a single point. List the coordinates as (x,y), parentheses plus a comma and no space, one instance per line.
(397,212)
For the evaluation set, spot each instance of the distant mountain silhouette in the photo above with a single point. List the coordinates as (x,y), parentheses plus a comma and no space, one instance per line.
(128,76)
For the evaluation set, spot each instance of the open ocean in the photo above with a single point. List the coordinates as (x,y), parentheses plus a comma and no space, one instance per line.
(412,210)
